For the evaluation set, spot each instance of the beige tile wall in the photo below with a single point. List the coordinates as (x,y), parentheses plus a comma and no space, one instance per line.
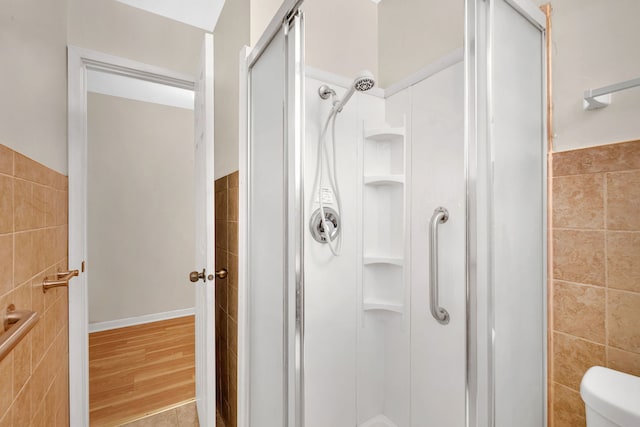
(33,244)
(595,286)
(226,211)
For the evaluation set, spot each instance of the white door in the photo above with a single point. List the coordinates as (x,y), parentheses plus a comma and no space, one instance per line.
(205,243)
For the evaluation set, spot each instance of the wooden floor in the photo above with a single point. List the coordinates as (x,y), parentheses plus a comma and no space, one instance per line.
(182,416)
(139,370)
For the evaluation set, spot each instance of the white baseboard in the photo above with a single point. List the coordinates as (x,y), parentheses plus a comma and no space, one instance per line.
(139,320)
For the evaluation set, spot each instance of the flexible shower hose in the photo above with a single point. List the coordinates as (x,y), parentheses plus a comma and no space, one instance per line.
(323,155)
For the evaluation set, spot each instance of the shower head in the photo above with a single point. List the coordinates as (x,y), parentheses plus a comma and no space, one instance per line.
(363,82)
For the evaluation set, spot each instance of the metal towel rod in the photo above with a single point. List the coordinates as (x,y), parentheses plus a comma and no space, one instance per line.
(62,279)
(601,97)
(17,323)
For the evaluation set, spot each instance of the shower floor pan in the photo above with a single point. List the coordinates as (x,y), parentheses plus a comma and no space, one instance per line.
(378,421)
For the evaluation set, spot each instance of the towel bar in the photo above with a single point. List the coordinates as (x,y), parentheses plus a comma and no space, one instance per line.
(62,279)
(16,324)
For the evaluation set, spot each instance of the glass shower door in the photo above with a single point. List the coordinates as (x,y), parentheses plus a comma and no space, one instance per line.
(517,187)
(271,324)
(506,154)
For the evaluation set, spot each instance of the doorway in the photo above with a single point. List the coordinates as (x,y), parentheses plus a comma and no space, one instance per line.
(140,240)
(199,235)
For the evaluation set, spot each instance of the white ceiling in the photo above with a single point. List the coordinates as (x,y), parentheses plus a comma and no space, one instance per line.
(198,13)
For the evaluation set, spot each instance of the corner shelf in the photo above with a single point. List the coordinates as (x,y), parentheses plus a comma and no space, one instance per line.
(385,134)
(368,260)
(379,305)
(383,219)
(383,179)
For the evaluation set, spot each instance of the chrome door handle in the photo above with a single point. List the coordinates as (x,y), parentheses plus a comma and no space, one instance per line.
(440,216)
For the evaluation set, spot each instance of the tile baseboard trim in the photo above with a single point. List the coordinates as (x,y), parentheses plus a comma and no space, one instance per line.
(140,320)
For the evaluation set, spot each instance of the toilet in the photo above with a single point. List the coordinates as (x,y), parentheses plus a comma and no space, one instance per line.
(611,398)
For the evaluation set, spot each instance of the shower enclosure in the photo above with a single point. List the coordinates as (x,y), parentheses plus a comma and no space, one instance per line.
(393,238)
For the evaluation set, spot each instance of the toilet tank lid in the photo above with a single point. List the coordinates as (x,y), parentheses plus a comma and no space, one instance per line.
(614,395)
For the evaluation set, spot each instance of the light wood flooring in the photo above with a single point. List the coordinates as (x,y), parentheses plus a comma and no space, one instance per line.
(181,416)
(139,370)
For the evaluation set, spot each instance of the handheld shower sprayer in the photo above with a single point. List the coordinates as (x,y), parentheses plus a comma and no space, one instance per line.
(325,223)
(362,83)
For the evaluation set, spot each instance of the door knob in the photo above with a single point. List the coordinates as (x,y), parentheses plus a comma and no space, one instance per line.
(220,274)
(194,276)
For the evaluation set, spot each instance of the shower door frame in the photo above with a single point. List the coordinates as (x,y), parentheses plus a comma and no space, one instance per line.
(288,18)
(480,372)
(479,345)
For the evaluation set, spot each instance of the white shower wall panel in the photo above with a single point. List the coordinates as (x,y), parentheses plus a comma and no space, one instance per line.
(371,366)
(397,368)
(332,296)
(434,108)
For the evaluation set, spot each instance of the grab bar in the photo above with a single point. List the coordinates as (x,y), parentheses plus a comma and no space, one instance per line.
(15,326)
(440,216)
(62,279)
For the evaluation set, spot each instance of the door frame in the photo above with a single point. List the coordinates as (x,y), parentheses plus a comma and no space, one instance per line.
(81,60)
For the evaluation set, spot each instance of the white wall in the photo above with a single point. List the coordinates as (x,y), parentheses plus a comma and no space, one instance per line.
(261,12)
(140,216)
(33,104)
(341,36)
(230,35)
(392,39)
(115,28)
(414,33)
(33,40)
(595,43)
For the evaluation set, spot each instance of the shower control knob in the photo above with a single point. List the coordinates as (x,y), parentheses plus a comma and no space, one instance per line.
(317,225)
